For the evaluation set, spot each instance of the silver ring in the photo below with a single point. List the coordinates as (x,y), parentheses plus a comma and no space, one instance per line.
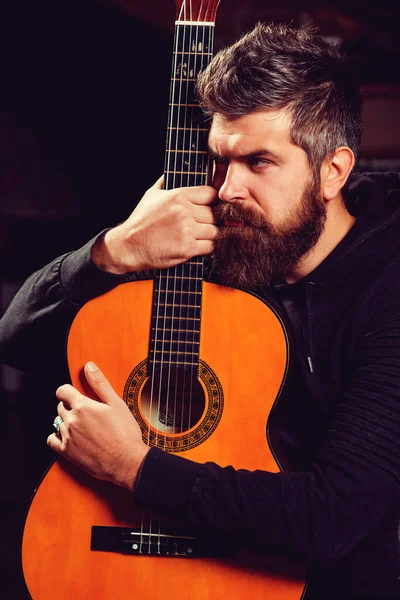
(57,424)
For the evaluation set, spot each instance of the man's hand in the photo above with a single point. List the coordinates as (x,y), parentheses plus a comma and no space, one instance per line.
(100,436)
(166,228)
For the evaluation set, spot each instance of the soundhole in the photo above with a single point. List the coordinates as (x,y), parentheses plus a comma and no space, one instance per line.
(172,400)
(175,410)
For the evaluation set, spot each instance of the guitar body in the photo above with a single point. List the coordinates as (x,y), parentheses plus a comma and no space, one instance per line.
(242,376)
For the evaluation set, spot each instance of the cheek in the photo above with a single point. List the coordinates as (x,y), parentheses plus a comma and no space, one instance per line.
(278,202)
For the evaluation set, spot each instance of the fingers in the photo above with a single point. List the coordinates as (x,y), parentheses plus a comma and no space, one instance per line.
(55,442)
(204,247)
(204,214)
(63,411)
(100,384)
(201,195)
(68,395)
(159,184)
(203,231)
(71,398)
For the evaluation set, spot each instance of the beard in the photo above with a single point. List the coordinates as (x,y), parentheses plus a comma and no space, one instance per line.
(257,253)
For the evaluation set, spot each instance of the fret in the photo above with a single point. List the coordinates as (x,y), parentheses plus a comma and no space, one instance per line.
(175,335)
(176,298)
(176,352)
(193,53)
(175,362)
(195,38)
(177,305)
(194,274)
(185,318)
(170,280)
(196,23)
(178,330)
(183,277)
(178,166)
(175,341)
(187,151)
(185,273)
(186,129)
(186,172)
(183,138)
(179,292)
(191,79)
(193,261)
(182,104)
(176,181)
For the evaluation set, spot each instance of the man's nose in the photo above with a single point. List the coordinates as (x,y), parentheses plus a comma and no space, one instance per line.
(233,186)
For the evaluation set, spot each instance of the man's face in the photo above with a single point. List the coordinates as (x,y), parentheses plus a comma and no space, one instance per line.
(271,209)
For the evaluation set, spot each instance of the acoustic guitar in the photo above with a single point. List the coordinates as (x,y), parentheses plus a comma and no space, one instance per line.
(201,367)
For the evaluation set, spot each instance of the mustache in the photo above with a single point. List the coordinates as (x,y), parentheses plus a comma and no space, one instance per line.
(239,212)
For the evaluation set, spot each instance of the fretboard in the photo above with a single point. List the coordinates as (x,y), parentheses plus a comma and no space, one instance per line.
(178,291)
(186,156)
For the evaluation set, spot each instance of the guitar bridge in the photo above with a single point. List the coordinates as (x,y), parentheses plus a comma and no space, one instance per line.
(125,540)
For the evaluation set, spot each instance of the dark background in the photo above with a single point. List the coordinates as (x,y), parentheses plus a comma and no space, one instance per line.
(83,108)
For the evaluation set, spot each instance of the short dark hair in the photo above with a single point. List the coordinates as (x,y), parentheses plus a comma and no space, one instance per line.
(277,67)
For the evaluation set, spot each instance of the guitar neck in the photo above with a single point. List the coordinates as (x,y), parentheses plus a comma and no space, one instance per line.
(186,158)
(178,290)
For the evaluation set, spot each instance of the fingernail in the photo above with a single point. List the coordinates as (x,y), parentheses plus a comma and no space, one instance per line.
(91,367)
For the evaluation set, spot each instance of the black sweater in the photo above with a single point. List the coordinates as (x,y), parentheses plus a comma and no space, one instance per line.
(339,507)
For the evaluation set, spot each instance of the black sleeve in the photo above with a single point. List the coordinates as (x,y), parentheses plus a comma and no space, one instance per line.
(34,328)
(321,514)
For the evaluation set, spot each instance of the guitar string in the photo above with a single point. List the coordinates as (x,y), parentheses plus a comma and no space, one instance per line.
(167,279)
(174,185)
(196,155)
(173,107)
(187,182)
(190,346)
(156,332)
(199,180)
(180,268)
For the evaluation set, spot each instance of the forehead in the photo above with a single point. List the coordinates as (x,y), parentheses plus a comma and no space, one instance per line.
(268,129)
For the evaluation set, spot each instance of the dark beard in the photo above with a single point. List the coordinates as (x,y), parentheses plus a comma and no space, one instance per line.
(257,253)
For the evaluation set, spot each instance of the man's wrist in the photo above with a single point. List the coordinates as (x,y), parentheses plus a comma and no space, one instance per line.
(104,258)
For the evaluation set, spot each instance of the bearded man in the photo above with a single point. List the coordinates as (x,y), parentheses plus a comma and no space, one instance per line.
(284,219)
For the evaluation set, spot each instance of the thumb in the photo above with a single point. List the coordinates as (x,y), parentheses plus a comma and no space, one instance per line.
(159,184)
(100,384)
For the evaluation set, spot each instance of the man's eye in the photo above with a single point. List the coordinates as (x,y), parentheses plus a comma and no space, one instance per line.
(259,162)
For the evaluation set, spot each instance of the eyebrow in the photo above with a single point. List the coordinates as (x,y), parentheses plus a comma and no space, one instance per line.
(254,154)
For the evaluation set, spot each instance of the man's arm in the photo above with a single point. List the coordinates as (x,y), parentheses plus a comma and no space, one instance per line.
(33,330)
(166,228)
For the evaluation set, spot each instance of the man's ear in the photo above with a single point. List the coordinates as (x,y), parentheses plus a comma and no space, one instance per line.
(335,170)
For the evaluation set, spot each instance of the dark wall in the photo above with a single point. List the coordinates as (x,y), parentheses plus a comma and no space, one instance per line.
(84,99)
(84,92)
(83,108)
